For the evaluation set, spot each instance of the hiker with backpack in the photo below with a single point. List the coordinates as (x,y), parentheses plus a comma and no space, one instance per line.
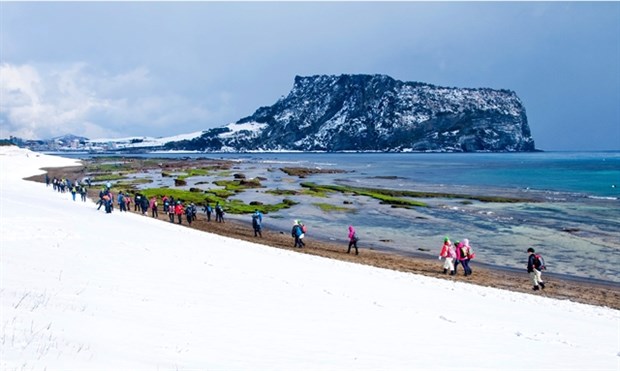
(257,222)
(121,202)
(298,234)
(219,213)
(179,210)
(464,253)
(166,203)
(352,240)
(83,193)
(535,266)
(144,204)
(188,215)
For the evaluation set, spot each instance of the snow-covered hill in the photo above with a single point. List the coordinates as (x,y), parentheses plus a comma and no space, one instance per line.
(85,290)
(137,142)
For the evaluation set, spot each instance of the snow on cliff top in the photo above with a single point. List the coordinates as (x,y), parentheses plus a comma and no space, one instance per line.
(85,290)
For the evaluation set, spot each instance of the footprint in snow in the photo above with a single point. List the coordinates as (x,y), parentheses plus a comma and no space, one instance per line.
(447,320)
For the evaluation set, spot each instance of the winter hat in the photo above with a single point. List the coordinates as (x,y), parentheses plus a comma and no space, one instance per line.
(530,250)
(446,239)
(295,222)
(466,242)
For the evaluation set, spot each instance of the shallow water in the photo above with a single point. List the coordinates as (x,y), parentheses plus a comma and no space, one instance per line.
(576,226)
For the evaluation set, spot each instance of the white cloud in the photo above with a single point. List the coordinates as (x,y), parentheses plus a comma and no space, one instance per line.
(45,101)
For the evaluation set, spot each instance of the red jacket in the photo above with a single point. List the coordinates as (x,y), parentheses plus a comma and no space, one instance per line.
(179,209)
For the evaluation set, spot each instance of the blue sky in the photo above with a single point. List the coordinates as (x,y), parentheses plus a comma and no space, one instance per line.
(114,69)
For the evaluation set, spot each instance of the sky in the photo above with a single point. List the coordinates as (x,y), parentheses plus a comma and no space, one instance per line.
(71,300)
(116,69)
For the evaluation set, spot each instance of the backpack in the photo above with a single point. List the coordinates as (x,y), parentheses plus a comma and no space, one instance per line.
(539,262)
(304,229)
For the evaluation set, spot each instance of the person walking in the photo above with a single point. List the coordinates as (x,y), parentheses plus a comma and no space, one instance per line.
(166,203)
(219,213)
(171,212)
(464,254)
(122,206)
(179,210)
(144,204)
(208,210)
(448,253)
(153,206)
(352,240)
(298,234)
(107,200)
(534,269)
(257,222)
(83,192)
(188,215)
(192,208)
(137,202)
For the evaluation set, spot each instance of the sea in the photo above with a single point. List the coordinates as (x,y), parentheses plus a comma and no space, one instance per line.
(573,218)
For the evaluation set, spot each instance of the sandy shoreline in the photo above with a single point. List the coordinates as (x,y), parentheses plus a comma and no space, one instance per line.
(578,290)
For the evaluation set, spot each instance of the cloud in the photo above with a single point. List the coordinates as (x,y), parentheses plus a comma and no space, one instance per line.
(44,101)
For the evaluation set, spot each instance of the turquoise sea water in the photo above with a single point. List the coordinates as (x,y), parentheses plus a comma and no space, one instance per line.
(575,223)
(585,173)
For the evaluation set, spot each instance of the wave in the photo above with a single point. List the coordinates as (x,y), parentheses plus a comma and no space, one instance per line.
(604,198)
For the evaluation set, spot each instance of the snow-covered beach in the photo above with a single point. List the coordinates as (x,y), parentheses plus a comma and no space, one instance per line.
(82,290)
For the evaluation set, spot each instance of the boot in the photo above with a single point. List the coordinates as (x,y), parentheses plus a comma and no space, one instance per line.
(445,270)
(535,288)
(452,273)
(542,285)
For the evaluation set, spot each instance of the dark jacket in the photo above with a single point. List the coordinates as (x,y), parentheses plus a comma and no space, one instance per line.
(531,263)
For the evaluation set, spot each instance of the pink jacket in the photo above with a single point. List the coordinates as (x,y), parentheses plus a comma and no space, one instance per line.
(447,250)
(466,253)
(351,232)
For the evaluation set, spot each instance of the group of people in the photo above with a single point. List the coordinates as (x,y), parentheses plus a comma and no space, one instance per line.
(143,204)
(462,253)
(454,254)
(177,208)
(65,185)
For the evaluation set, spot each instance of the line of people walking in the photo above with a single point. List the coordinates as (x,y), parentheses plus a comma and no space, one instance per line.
(452,254)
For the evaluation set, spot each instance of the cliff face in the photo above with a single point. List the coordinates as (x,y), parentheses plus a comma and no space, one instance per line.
(378,113)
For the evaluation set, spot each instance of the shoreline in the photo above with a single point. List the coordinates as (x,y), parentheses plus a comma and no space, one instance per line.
(559,286)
